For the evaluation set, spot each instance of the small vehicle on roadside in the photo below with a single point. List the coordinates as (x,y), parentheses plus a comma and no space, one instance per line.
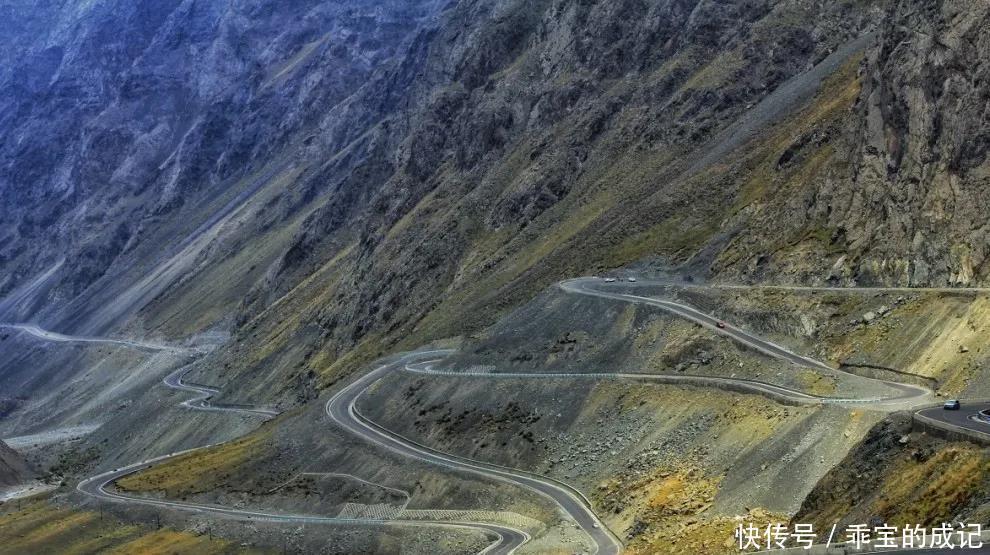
(609,280)
(632,280)
(720,324)
(952,404)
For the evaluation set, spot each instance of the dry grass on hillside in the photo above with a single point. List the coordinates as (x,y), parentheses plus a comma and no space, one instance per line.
(199,471)
(41,527)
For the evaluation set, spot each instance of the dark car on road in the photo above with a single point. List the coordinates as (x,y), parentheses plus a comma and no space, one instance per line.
(951,405)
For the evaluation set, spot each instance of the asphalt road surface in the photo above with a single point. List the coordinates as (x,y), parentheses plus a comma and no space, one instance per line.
(341,409)
(776,392)
(203,394)
(966,418)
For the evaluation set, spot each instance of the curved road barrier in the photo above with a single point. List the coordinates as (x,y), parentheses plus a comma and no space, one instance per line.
(777,393)
(965,424)
(204,393)
(508,539)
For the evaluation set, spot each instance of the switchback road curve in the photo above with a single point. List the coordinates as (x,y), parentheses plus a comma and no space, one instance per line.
(902,396)
(508,539)
(342,410)
(204,393)
(776,392)
(899,393)
(967,422)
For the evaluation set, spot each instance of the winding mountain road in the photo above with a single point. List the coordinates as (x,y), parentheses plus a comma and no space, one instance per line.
(776,392)
(508,539)
(35,330)
(900,393)
(902,396)
(342,410)
(966,422)
(204,393)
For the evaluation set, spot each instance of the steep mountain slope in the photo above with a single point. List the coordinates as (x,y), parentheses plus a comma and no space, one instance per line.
(159,107)
(505,145)
(13,468)
(899,190)
(585,164)
(527,154)
(905,478)
(376,174)
(304,186)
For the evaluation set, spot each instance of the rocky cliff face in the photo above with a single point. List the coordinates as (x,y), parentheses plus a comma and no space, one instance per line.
(902,196)
(914,207)
(541,140)
(380,172)
(116,115)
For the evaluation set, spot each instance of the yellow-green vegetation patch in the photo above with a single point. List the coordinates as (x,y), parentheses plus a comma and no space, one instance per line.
(667,510)
(40,527)
(708,535)
(287,315)
(200,471)
(935,335)
(333,369)
(42,524)
(654,497)
(926,492)
(838,93)
(674,237)
(717,72)
(165,542)
(763,181)
(429,201)
(280,72)
(198,303)
(903,478)
(816,384)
